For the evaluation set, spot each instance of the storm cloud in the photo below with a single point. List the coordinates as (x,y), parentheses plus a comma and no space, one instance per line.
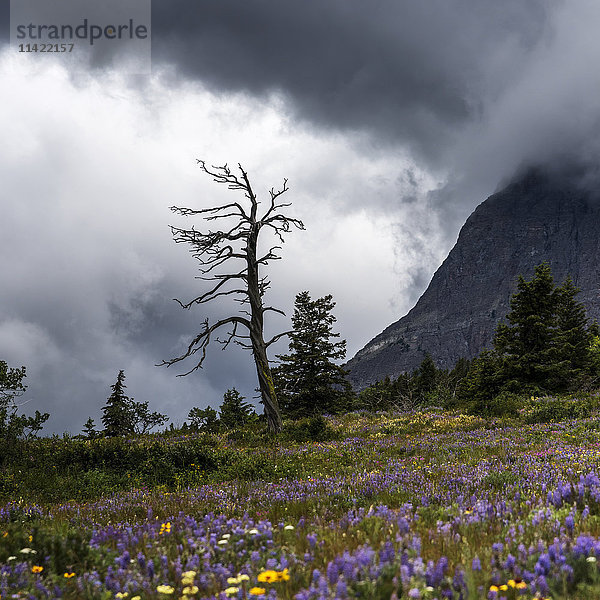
(409,72)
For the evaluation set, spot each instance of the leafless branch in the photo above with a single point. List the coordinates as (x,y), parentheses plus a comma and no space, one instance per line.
(214,292)
(277,337)
(202,340)
(273,309)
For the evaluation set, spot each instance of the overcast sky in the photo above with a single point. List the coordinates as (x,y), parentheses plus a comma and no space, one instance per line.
(390,119)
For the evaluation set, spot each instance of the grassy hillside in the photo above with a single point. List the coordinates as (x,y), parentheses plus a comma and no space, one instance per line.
(422,505)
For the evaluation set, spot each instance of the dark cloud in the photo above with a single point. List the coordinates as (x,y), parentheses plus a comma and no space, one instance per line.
(409,72)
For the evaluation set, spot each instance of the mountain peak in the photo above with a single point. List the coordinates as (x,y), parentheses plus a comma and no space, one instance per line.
(543,215)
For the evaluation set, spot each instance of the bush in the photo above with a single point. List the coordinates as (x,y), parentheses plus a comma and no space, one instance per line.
(505,404)
(309,429)
(543,410)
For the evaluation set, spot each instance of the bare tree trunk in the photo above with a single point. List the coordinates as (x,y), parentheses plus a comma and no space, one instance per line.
(259,348)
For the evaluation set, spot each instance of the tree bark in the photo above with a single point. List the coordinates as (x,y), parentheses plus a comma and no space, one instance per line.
(259,348)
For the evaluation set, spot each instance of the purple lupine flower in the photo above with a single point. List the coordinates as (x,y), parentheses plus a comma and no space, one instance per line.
(151,569)
(341,590)
(332,572)
(542,585)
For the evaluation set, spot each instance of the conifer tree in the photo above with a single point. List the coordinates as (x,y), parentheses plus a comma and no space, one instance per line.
(425,377)
(527,346)
(89,429)
(547,345)
(117,415)
(234,412)
(307,379)
(573,336)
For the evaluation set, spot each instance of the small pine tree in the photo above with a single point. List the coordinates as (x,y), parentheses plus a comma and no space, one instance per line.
(425,377)
(378,396)
(307,380)
(234,412)
(89,429)
(118,418)
(482,383)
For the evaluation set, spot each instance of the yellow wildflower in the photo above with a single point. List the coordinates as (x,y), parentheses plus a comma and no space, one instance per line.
(121,594)
(165,528)
(256,591)
(68,575)
(190,590)
(165,589)
(283,575)
(503,588)
(521,585)
(494,588)
(230,591)
(37,569)
(191,574)
(268,577)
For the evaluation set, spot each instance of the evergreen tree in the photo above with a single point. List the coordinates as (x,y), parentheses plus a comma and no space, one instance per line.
(527,346)
(547,346)
(307,379)
(573,336)
(482,383)
(124,416)
(89,429)
(234,412)
(426,377)
(118,418)
(378,396)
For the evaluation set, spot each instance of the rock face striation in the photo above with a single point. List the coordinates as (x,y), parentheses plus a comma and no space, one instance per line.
(542,216)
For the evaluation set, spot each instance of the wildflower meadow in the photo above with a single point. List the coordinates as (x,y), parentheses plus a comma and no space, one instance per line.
(428,504)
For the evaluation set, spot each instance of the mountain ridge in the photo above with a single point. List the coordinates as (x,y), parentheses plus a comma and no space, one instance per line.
(543,215)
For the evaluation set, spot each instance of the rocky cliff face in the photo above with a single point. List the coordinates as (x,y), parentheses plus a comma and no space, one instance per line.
(539,217)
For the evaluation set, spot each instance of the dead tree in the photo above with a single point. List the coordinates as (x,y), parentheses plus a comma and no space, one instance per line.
(224,248)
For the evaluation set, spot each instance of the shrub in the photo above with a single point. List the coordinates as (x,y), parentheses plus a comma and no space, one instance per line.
(543,410)
(309,429)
